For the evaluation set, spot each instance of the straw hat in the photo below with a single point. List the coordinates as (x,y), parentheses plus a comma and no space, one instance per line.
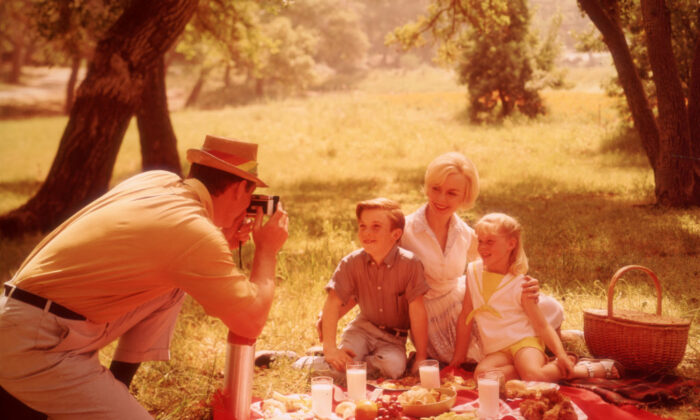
(232,156)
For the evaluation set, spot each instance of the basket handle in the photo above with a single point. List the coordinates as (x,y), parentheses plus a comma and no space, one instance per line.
(619,274)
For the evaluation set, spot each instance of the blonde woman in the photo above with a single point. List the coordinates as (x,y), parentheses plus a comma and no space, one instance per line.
(445,244)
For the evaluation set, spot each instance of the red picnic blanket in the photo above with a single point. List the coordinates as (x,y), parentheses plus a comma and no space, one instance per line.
(588,401)
(655,390)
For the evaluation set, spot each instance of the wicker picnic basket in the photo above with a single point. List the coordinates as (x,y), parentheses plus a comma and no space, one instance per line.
(639,340)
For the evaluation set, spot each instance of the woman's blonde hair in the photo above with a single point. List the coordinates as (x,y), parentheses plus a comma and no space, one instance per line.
(453,163)
(504,225)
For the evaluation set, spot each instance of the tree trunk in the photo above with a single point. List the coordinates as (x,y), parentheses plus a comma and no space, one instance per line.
(16,63)
(637,101)
(158,142)
(673,175)
(507,103)
(227,76)
(694,114)
(105,102)
(72,81)
(197,88)
(259,87)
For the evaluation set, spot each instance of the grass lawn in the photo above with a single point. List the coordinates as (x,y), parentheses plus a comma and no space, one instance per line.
(583,192)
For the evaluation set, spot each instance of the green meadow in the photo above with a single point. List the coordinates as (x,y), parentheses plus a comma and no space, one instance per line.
(582,189)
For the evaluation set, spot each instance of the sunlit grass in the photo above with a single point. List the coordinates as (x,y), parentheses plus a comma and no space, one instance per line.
(583,199)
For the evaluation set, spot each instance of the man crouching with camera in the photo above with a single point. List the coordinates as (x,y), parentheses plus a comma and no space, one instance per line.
(119,269)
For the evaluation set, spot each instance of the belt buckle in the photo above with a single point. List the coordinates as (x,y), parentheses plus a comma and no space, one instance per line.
(9,289)
(392,331)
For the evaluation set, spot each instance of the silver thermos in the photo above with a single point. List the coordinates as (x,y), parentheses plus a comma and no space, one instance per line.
(238,377)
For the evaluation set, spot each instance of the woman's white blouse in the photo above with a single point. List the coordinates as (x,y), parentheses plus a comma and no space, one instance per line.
(442,269)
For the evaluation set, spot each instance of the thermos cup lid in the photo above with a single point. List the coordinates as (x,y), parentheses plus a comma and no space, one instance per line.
(237,339)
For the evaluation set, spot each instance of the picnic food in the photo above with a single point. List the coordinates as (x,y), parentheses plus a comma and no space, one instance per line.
(449,415)
(458,383)
(516,388)
(389,409)
(396,384)
(365,410)
(553,406)
(424,402)
(348,409)
(418,395)
(273,408)
(298,406)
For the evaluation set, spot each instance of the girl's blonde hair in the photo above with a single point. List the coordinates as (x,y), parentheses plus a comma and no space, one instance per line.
(504,225)
(453,163)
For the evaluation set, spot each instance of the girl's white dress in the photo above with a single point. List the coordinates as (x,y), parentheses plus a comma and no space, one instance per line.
(501,320)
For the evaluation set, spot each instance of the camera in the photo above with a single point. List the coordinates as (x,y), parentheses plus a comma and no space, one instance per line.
(267,202)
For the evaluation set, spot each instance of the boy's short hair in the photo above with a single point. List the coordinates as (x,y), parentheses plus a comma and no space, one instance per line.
(396,217)
(215,180)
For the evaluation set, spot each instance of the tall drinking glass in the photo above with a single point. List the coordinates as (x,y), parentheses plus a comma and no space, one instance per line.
(356,377)
(429,371)
(488,384)
(322,396)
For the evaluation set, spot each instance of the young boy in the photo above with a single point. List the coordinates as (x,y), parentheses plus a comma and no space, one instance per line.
(388,284)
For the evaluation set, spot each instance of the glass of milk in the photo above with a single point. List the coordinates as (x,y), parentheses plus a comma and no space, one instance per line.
(429,371)
(488,384)
(322,396)
(356,377)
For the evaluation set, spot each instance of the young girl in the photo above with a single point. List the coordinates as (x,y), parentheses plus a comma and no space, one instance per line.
(512,329)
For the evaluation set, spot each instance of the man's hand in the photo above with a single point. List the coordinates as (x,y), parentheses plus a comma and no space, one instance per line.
(270,237)
(531,288)
(337,358)
(239,233)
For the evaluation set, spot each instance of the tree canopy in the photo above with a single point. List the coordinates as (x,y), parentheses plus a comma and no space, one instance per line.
(500,58)
(510,66)
(126,61)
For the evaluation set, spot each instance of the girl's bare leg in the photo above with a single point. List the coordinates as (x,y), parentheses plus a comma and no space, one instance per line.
(497,361)
(532,365)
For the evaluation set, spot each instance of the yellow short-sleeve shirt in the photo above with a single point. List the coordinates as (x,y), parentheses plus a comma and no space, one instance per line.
(148,235)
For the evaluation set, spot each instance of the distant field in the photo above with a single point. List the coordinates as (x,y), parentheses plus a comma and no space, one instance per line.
(581,190)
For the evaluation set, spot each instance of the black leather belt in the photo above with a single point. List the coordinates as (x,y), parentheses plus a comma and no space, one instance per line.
(393,331)
(40,302)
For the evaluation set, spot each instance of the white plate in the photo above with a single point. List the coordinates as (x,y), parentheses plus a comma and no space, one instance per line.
(532,387)
(542,385)
(389,385)
(503,408)
(256,407)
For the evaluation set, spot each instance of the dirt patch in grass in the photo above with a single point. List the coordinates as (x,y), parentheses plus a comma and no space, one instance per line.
(42,92)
